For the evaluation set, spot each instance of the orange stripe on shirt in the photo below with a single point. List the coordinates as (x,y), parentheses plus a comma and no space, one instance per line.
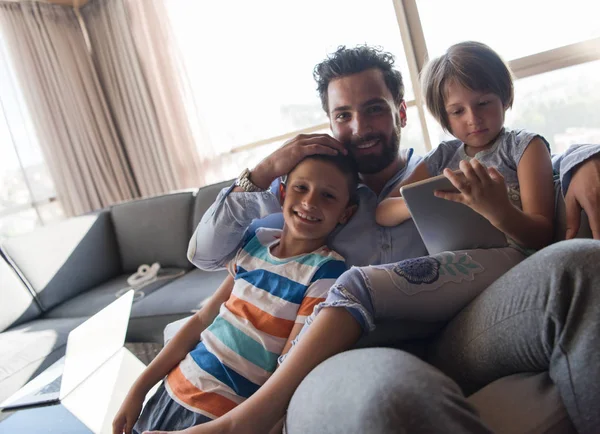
(186,392)
(260,319)
(308,304)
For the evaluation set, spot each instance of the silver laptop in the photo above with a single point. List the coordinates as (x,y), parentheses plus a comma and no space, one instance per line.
(88,346)
(445,225)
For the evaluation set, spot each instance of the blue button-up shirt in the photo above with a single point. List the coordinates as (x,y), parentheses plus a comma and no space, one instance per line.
(361,241)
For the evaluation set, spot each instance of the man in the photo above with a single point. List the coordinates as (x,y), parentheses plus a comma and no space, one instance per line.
(363,97)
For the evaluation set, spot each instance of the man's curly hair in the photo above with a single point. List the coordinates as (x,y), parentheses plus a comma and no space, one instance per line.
(347,61)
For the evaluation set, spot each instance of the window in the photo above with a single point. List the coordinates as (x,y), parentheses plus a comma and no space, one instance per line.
(562,105)
(412,135)
(249,69)
(513,28)
(27,196)
(250,63)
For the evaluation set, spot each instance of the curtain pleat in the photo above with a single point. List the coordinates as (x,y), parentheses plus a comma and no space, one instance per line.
(67,105)
(112,123)
(160,161)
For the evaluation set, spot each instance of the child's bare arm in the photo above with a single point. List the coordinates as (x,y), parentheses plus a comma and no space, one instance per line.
(392,211)
(186,338)
(419,174)
(173,353)
(484,190)
(334,330)
(295,331)
(533,226)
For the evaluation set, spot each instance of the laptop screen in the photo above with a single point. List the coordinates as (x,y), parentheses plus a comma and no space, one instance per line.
(94,342)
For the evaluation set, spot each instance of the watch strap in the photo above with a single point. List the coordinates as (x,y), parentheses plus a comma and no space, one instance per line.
(245,183)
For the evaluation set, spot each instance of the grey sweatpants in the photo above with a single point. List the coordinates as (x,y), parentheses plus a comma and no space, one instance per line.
(542,315)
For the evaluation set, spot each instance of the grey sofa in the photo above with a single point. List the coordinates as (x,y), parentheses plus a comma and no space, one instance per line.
(54,278)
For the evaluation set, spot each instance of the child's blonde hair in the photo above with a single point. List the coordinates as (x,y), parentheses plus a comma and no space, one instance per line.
(473,65)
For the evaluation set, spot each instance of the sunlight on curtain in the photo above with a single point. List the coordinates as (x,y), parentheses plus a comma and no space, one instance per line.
(62,92)
(27,193)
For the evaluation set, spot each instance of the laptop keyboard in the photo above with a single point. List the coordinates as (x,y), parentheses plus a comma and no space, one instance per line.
(53,387)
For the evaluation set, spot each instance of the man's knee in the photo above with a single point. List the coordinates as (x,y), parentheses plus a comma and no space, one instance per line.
(372,390)
(566,268)
(577,252)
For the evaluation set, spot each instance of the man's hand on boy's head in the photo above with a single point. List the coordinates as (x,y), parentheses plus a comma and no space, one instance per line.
(284,159)
(584,193)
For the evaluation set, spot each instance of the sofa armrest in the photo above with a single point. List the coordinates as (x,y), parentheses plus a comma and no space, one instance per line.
(62,260)
(18,304)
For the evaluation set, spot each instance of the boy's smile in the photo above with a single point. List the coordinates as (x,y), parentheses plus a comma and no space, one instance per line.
(316,200)
(306,217)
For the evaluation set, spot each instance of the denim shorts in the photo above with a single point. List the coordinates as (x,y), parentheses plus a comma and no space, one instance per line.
(164,414)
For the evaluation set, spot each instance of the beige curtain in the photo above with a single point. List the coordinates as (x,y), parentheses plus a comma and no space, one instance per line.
(165,69)
(143,94)
(169,87)
(67,105)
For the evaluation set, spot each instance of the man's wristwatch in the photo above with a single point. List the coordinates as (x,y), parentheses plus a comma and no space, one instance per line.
(244,182)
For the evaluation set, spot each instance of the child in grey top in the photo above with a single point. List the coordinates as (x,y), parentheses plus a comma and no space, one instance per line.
(506,175)
(504,154)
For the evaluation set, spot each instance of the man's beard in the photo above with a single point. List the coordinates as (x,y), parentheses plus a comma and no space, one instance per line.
(369,164)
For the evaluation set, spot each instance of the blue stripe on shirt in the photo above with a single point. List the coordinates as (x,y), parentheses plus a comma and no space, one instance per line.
(256,249)
(312,260)
(244,345)
(329,270)
(209,363)
(274,284)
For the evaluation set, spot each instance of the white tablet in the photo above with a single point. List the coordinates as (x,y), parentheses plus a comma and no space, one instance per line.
(445,225)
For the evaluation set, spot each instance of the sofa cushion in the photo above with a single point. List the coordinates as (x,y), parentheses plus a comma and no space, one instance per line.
(205,197)
(523,403)
(155,305)
(176,300)
(17,304)
(28,349)
(62,260)
(97,298)
(182,295)
(156,229)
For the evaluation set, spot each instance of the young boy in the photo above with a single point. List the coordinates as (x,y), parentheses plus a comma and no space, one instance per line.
(277,278)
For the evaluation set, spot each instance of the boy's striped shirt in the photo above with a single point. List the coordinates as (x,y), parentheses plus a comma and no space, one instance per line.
(239,350)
